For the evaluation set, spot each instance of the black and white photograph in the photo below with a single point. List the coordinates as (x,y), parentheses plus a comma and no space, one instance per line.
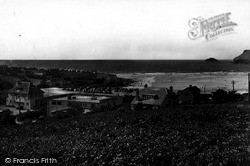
(125,82)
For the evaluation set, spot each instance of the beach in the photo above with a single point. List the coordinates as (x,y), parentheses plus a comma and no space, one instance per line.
(207,81)
(140,79)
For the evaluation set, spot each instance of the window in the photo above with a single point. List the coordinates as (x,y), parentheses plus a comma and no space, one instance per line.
(53,102)
(150,96)
(156,97)
(27,104)
(59,103)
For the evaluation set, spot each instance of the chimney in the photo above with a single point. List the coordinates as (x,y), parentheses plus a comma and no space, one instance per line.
(171,88)
(137,97)
(18,82)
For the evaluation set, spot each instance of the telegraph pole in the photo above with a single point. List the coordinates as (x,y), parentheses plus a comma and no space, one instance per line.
(233,83)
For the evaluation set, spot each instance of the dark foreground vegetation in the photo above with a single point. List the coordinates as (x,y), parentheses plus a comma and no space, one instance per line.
(198,135)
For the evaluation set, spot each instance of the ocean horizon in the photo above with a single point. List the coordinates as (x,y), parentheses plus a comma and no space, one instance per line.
(134,66)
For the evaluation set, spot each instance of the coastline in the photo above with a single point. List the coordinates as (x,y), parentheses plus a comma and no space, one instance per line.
(140,79)
(206,81)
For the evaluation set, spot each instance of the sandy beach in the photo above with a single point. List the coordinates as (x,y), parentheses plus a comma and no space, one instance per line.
(141,78)
(206,81)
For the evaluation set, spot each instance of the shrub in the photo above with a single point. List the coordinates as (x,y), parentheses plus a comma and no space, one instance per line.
(6,117)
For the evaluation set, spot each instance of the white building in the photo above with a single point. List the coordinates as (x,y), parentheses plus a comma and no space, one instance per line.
(24,96)
(87,102)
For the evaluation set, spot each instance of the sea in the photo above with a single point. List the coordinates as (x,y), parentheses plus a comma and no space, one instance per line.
(208,76)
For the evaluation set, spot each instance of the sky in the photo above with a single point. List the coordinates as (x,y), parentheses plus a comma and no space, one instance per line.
(117,29)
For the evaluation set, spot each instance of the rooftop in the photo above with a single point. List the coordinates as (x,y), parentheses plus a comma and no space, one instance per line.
(25,88)
(159,92)
(85,99)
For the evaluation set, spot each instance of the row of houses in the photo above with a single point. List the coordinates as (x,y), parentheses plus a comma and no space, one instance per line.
(26,96)
(154,98)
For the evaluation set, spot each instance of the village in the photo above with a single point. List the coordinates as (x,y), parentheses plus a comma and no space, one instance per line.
(78,117)
(27,94)
(125,83)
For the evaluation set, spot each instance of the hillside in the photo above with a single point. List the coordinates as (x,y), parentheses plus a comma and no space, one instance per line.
(243,58)
(199,135)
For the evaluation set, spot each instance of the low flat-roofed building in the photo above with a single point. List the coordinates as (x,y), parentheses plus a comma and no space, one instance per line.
(88,102)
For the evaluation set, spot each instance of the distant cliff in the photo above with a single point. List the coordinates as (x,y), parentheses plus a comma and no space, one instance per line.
(243,58)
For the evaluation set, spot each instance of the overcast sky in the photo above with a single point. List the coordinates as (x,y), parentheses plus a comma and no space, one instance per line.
(117,29)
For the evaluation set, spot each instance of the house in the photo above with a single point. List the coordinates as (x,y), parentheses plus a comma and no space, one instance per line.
(149,98)
(38,72)
(172,98)
(24,95)
(189,96)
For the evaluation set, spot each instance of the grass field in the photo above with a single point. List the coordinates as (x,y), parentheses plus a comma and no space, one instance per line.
(199,135)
